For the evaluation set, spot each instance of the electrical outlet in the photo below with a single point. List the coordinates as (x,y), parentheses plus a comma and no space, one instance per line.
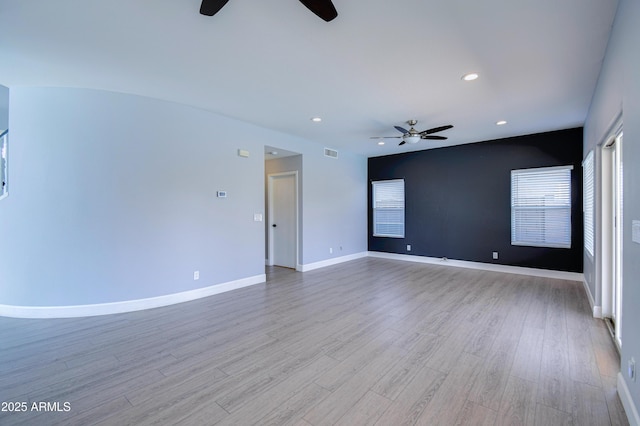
(330,250)
(632,369)
(495,255)
(408,247)
(196,275)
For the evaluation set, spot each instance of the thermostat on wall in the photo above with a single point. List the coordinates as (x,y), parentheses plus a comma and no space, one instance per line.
(221,194)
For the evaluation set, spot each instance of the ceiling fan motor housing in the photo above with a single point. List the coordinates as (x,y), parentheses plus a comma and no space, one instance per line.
(413,136)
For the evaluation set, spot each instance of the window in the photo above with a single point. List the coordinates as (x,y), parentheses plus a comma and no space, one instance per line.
(587,202)
(388,208)
(4,173)
(541,207)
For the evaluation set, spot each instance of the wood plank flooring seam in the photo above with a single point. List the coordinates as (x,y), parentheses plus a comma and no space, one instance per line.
(371,341)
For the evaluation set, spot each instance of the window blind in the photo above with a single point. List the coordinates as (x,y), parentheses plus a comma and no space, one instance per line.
(541,207)
(588,202)
(388,208)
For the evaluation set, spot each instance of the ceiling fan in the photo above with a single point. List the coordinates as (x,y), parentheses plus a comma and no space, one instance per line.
(413,136)
(323,8)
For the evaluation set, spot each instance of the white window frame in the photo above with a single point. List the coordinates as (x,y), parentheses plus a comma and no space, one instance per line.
(532,191)
(394,209)
(588,202)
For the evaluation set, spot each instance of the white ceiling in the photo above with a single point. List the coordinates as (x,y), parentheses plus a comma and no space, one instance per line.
(275,64)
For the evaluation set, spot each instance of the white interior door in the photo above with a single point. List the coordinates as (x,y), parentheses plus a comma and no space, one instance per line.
(612,202)
(617,237)
(283,219)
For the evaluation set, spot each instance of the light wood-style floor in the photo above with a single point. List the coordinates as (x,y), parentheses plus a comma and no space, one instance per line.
(371,341)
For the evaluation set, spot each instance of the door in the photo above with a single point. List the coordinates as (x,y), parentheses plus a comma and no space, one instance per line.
(617,237)
(612,201)
(283,221)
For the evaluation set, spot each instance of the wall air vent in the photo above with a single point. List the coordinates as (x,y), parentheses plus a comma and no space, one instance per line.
(328,152)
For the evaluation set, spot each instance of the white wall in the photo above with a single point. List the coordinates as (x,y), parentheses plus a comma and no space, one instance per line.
(335,195)
(618,91)
(4,108)
(113,198)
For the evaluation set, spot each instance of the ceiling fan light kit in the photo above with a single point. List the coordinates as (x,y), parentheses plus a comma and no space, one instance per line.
(413,136)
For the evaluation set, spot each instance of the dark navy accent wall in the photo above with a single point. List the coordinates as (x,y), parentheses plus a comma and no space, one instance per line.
(458,199)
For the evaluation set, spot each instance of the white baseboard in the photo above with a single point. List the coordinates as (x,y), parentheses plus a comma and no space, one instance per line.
(171,299)
(597,310)
(627,402)
(126,306)
(334,261)
(562,275)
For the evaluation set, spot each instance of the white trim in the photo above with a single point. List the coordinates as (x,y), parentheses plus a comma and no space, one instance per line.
(562,275)
(329,262)
(531,233)
(605,236)
(128,305)
(374,194)
(270,202)
(597,310)
(627,402)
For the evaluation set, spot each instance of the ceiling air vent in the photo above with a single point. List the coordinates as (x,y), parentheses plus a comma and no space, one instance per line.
(328,152)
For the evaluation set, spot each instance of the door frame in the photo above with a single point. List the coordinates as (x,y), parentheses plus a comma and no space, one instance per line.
(611,230)
(270,180)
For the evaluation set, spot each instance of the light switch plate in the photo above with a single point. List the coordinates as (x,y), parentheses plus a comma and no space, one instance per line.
(635,231)
(257,217)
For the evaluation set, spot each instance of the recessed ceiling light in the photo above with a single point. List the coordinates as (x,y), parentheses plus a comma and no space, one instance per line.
(316,119)
(273,152)
(501,123)
(381,143)
(470,76)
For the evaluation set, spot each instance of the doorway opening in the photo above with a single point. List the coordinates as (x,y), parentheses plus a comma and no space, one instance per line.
(283,207)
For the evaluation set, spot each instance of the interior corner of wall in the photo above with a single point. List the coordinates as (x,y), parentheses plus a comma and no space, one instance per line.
(597,310)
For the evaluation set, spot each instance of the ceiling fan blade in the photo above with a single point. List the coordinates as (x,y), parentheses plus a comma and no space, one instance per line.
(322,8)
(402,143)
(211,7)
(435,138)
(436,130)
(401,130)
